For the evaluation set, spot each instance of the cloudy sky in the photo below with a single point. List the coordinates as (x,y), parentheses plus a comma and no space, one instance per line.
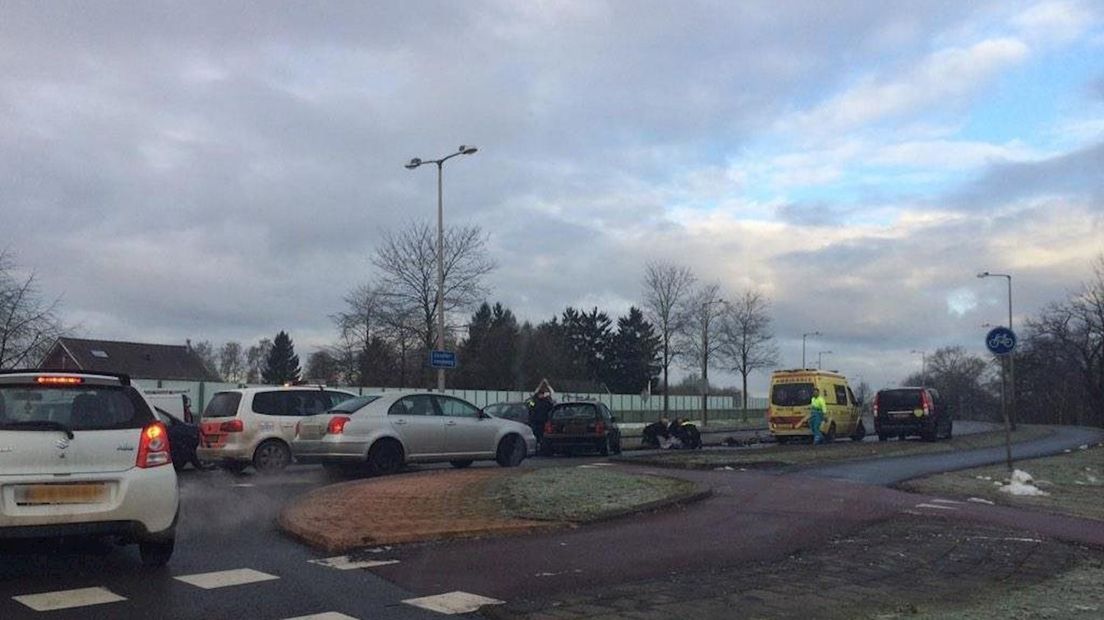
(223,170)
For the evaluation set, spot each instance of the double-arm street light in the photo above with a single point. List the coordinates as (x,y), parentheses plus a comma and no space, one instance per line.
(1011,390)
(414,163)
(923,365)
(803,337)
(820,355)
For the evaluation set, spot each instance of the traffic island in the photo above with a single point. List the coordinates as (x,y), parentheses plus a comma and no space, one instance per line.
(445,504)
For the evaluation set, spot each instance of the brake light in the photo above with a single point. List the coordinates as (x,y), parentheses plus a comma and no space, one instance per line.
(547,427)
(337,424)
(233,426)
(925,398)
(153,448)
(59,380)
(600,428)
(874,407)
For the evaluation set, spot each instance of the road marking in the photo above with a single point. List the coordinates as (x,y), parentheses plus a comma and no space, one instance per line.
(603,464)
(343,562)
(243,485)
(225,578)
(453,602)
(585,466)
(936,506)
(329,615)
(945,501)
(978,500)
(67,599)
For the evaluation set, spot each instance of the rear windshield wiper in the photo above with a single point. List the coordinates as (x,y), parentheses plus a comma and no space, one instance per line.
(37,425)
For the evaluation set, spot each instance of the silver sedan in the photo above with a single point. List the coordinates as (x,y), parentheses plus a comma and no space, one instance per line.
(385,431)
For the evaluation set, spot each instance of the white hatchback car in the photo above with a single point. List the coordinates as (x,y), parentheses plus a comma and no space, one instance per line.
(81,454)
(255,426)
(384,431)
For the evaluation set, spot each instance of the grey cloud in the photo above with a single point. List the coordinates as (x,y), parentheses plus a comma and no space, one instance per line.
(1079,172)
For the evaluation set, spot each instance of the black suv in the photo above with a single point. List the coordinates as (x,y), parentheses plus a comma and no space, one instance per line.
(908,411)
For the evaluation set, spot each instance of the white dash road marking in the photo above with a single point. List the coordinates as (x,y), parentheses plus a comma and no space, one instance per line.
(603,464)
(329,615)
(68,599)
(225,578)
(343,562)
(978,500)
(945,501)
(453,602)
(936,506)
(243,485)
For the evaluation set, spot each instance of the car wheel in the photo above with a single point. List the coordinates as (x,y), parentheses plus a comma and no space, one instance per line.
(271,457)
(617,446)
(155,554)
(860,432)
(511,451)
(461,464)
(385,458)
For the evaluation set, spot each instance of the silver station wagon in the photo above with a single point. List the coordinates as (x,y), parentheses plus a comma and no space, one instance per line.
(383,432)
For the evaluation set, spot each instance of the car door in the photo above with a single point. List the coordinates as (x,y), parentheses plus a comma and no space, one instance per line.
(415,420)
(467,433)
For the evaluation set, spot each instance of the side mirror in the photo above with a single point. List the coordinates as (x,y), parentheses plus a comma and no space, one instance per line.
(483,415)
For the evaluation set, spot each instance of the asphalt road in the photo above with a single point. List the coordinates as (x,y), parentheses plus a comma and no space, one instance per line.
(227,525)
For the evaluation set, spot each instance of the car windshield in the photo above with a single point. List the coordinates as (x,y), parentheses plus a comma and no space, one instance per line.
(900,399)
(574,411)
(354,404)
(76,408)
(791,394)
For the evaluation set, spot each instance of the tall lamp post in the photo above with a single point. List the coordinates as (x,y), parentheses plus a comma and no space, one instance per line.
(803,337)
(923,365)
(820,358)
(414,163)
(1011,390)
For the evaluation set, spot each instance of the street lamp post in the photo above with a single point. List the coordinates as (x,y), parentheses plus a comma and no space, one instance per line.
(803,337)
(414,163)
(923,365)
(820,359)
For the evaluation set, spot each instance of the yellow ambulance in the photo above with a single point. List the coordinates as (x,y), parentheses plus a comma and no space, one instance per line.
(790,394)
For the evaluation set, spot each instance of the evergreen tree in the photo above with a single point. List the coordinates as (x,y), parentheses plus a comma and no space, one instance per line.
(282,364)
(588,336)
(634,354)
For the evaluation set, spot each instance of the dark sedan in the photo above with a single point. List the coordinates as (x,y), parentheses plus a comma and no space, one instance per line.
(581,425)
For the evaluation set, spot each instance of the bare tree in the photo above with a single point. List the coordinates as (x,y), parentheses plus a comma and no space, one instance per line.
(407,264)
(701,337)
(205,351)
(255,359)
(666,288)
(28,323)
(746,335)
(231,362)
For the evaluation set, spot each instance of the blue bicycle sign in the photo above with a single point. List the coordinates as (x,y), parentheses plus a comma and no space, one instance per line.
(1000,341)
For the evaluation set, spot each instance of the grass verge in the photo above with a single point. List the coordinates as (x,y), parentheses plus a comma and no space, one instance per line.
(844,450)
(583,494)
(1074,481)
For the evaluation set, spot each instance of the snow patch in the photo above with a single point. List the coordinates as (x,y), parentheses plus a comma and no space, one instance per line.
(1022,484)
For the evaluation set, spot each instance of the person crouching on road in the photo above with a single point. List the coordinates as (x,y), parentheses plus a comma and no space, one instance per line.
(817,407)
(656,434)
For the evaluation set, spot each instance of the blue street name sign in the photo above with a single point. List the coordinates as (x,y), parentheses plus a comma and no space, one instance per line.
(442,359)
(1000,341)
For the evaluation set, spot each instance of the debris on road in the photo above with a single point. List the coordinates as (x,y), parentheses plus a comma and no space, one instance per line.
(1022,484)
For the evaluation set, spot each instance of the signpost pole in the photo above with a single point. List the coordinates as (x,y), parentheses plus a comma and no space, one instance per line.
(1001,341)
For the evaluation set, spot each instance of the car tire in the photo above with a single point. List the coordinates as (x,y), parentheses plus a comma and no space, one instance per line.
(617,446)
(179,465)
(605,448)
(156,553)
(385,457)
(860,432)
(511,451)
(461,464)
(271,457)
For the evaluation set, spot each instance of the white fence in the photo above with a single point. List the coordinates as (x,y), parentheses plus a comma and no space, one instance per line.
(631,407)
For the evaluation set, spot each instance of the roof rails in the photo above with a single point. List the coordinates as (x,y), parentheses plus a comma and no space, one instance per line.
(122,377)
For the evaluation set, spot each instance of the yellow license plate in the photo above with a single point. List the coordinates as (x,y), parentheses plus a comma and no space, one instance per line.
(31,495)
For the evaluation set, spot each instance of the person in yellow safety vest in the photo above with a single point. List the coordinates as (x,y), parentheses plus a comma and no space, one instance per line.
(817,407)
